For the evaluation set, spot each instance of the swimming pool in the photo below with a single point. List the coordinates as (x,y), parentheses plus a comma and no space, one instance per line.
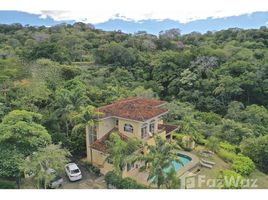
(177,166)
(184,159)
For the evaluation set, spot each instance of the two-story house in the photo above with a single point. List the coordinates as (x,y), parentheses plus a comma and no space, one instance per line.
(132,117)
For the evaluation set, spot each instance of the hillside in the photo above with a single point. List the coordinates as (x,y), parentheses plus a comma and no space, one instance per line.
(216,84)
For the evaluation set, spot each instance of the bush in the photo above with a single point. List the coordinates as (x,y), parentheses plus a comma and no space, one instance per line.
(226,155)
(243,165)
(91,168)
(212,144)
(185,141)
(7,185)
(227,146)
(113,179)
(231,180)
(257,150)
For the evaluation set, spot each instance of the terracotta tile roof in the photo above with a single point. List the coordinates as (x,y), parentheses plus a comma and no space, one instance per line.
(168,128)
(100,144)
(139,109)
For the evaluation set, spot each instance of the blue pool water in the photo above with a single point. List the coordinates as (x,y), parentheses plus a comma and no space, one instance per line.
(184,159)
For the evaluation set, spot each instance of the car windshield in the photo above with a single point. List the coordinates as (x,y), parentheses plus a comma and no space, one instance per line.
(75,171)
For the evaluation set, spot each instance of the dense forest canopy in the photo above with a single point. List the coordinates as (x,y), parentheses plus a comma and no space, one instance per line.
(216,83)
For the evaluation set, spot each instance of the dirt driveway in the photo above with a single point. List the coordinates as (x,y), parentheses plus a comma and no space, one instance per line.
(89,181)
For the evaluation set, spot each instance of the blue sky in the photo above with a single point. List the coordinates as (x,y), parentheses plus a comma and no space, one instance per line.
(134,15)
(254,20)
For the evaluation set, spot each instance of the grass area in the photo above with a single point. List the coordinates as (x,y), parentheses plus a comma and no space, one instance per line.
(7,184)
(206,173)
(262,179)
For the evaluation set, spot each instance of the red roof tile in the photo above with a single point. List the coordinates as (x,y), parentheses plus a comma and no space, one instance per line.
(168,128)
(139,109)
(100,144)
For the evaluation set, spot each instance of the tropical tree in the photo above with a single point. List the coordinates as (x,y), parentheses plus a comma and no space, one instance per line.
(85,119)
(68,100)
(11,163)
(172,181)
(158,161)
(257,150)
(42,164)
(21,130)
(20,134)
(119,151)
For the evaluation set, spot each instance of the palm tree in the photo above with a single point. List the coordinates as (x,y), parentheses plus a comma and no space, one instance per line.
(158,161)
(191,127)
(118,151)
(86,120)
(64,108)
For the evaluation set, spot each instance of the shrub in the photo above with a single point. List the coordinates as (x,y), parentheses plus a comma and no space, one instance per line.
(91,168)
(226,155)
(213,144)
(122,183)
(257,150)
(185,141)
(243,165)
(7,185)
(231,180)
(227,146)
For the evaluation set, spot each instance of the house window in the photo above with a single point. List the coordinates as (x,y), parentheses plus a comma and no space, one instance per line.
(116,122)
(144,131)
(128,128)
(92,134)
(151,128)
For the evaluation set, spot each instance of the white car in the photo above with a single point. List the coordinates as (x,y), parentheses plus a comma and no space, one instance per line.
(73,172)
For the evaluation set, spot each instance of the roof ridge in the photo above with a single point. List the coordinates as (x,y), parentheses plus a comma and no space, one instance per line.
(134,108)
(120,101)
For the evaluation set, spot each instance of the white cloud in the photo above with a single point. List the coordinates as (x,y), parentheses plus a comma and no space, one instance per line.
(97,11)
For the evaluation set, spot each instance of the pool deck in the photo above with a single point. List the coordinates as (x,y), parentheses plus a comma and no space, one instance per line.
(193,163)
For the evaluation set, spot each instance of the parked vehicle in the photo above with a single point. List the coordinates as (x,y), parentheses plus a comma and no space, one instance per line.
(57,181)
(73,172)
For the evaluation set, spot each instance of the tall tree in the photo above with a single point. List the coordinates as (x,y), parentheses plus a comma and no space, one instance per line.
(84,121)
(118,152)
(21,130)
(158,161)
(41,165)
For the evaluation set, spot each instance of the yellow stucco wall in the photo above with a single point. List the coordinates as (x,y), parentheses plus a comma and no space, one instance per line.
(150,141)
(98,158)
(136,128)
(104,126)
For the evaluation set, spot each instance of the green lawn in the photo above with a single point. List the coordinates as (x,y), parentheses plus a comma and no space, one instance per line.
(262,179)
(206,173)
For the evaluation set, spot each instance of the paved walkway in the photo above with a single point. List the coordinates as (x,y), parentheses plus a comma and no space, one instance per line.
(193,163)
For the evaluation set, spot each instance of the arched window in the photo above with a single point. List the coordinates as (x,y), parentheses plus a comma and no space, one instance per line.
(128,128)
